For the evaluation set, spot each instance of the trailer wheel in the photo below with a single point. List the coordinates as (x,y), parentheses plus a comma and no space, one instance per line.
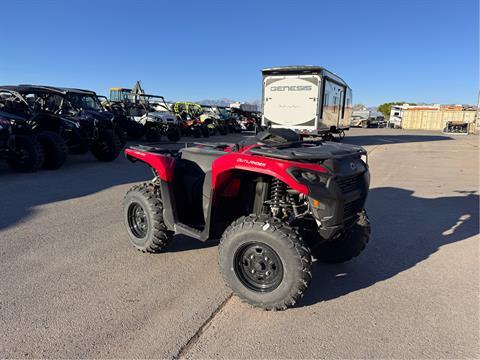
(365,124)
(54,149)
(265,262)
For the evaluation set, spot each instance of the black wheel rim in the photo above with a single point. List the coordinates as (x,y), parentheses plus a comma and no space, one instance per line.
(258,267)
(137,220)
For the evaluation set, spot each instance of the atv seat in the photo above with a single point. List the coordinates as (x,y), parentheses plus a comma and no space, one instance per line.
(201,159)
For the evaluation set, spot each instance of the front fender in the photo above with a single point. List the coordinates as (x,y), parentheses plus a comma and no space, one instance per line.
(276,168)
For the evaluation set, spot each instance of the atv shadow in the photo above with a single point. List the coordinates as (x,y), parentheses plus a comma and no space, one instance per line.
(406,230)
(380,139)
(181,243)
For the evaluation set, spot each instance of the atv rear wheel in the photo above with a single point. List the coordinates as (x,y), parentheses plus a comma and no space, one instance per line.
(107,147)
(143,217)
(265,262)
(28,154)
(348,246)
(54,148)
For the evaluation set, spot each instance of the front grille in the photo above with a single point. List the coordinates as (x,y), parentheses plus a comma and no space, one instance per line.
(350,183)
(352,208)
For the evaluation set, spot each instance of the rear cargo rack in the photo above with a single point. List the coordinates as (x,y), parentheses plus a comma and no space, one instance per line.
(323,152)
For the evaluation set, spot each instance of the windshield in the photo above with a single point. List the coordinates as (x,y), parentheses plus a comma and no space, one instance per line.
(85,102)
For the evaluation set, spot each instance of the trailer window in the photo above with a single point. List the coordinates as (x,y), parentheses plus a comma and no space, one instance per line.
(336,104)
(326,100)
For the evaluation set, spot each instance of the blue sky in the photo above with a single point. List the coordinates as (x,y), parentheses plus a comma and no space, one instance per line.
(413,50)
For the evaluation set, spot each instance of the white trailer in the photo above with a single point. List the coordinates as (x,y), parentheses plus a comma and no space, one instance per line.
(307,99)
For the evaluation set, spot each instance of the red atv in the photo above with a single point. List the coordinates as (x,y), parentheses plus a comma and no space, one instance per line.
(274,203)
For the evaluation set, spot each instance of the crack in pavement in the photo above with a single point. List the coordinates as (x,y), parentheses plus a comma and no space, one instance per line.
(192,341)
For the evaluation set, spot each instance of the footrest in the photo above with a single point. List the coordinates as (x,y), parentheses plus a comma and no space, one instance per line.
(190,231)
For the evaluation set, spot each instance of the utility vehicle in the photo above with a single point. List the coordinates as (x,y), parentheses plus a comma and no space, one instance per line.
(274,203)
(74,114)
(188,114)
(212,119)
(151,114)
(29,139)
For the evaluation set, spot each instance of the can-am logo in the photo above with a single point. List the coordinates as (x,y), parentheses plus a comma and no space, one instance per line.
(291,88)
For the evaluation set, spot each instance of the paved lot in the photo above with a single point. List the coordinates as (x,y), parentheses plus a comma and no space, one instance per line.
(71,285)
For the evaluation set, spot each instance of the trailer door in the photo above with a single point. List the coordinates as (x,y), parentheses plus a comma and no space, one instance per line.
(333,105)
(291,101)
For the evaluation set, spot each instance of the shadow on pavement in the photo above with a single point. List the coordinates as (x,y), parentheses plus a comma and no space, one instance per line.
(181,243)
(80,176)
(405,231)
(379,139)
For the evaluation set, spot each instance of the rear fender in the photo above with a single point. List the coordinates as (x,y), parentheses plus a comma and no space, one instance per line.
(162,164)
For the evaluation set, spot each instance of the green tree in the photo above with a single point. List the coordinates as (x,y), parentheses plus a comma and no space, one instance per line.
(387,107)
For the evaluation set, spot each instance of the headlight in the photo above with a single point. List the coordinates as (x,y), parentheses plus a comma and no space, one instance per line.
(305,176)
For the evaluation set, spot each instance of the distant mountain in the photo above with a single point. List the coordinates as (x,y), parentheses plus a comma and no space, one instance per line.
(217,102)
(226,102)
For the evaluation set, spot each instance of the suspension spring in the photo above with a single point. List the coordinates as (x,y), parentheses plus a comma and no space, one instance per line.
(277,193)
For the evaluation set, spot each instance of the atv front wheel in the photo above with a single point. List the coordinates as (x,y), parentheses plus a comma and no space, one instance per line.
(107,147)
(347,246)
(265,262)
(143,217)
(54,148)
(28,154)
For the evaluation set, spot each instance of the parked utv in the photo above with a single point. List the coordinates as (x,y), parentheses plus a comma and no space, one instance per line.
(188,115)
(274,203)
(28,140)
(75,115)
(151,115)
(214,122)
